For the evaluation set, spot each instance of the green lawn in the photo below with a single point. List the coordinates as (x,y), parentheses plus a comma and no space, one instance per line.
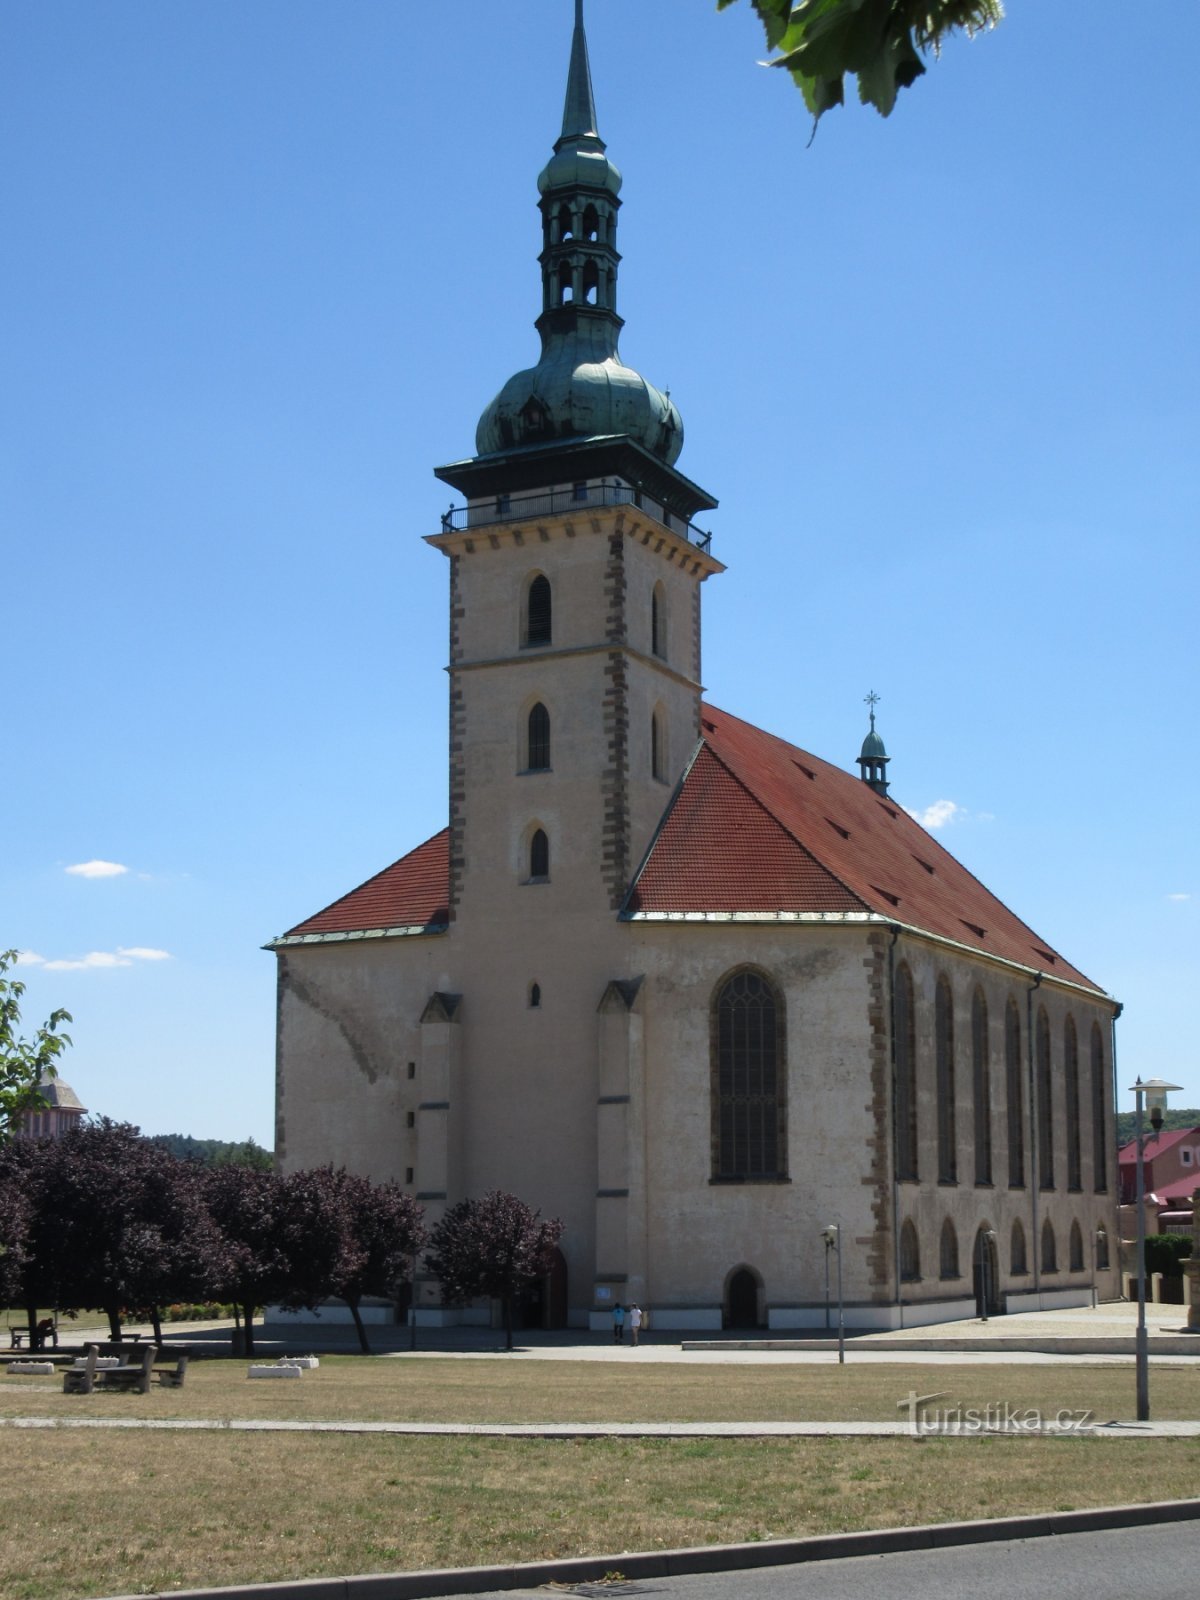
(116,1512)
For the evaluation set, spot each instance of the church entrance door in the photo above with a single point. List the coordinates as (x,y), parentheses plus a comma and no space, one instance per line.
(743,1300)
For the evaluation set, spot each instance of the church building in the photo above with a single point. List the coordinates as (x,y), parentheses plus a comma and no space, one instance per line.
(663,975)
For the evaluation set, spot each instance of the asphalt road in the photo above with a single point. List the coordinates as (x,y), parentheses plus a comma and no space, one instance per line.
(1163,1562)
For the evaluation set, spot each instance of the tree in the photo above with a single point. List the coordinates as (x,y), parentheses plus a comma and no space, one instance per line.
(112,1222)
(879,42)
(24,1063)
(388,1228)
(495,1246)
(253,1265)
(346,1237)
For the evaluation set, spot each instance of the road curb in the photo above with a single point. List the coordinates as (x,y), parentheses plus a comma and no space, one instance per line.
(705,1558)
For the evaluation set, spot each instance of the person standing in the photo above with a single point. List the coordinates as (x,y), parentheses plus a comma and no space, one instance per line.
(635,1323)
(619,1323)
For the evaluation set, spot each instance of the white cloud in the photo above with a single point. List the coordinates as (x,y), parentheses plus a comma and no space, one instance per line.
(1179,897)
(30,958)
(939,814)
(99,960)
(94,958)
(96,869)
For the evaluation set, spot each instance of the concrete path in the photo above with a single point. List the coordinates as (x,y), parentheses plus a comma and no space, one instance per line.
(624,1430)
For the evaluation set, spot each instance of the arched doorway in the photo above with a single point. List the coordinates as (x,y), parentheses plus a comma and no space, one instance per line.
(556,1292)
(544,1303)
(985,1274)
(741,1299)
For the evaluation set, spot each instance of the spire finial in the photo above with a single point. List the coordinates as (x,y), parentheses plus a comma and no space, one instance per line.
(871,699)
(579,109)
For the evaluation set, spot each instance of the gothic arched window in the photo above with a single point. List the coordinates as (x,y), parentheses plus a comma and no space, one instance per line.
(910,1253)
(1017,1263)
(1012,1095)
(539,856)
(658,621)
(538,751)
(905,1045)
(1075,1259)
(1049,1248)
(948,1252)
(946,1121)
(981,1087)
(538,614)
(749,1092)
(1099,1120)
(1101,1250)
(1045,1103)
(1071,1077)
(657,763)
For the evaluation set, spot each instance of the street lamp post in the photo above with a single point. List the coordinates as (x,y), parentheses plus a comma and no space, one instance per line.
(1156,1087)
(832,1236)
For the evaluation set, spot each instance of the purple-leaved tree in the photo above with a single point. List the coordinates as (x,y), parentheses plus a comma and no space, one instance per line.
(496,1246)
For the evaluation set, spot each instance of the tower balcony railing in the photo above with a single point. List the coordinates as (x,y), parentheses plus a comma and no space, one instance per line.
(555,502)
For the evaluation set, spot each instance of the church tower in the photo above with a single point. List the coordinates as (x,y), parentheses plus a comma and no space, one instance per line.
(575,573)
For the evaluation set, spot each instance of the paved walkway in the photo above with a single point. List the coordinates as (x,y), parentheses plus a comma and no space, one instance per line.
(626,1430)
(1036,1337)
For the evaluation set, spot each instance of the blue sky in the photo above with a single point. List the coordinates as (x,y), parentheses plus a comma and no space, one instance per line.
(269,260)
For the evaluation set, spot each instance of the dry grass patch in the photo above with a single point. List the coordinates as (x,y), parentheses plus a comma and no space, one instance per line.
(119,1513)
(429,1389)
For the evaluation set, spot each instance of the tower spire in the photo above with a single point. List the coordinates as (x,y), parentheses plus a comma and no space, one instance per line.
(579,108)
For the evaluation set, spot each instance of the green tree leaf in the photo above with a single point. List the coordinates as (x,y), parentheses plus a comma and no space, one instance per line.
(877,42)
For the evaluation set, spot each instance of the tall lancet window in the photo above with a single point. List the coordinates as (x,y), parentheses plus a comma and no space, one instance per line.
(981,1086)
(905,1045)
(1045,1102)
(538,611)
(1099,1118)
(538,739)
(658,621)
(947,1124)
(539,856)
(749,1080)
(1012,1095)
(1071,1077)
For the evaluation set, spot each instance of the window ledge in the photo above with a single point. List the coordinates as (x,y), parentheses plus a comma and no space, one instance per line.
(773,1177)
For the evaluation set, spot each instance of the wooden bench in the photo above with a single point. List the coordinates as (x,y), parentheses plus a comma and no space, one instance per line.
(131,1376)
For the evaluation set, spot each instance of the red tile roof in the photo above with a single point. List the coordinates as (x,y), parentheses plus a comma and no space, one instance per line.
(1155,1145)
(1181,1189)
(412,893)
(761,826)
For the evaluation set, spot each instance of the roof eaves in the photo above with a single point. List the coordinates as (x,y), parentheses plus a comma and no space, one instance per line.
(291,940)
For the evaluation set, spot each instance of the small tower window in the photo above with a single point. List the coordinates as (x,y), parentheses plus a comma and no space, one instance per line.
(591,223)
(535,997)
(591,283)
(566,226)
(539,740)
(539,857)
(658,621)
(657,763)
(538,618)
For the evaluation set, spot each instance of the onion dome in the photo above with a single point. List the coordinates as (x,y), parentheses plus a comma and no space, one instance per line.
(580,387)
(873,758)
